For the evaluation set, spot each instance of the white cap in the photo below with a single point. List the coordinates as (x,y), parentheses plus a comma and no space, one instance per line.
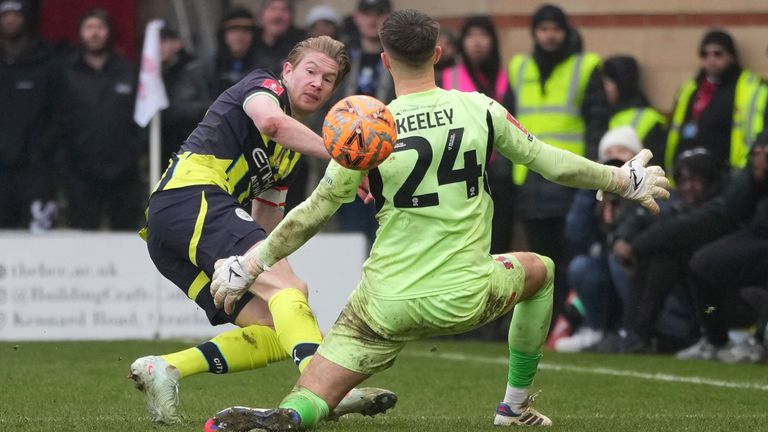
(624,136)
(322,12)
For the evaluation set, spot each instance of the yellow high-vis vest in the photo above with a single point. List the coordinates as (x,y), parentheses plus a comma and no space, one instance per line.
(748,110)
(642,120)
(553,113)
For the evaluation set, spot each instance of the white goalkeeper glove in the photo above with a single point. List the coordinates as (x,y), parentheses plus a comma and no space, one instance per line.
(639,183)
(232,277)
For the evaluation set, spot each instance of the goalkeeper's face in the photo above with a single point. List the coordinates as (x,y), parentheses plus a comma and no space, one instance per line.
(94,34)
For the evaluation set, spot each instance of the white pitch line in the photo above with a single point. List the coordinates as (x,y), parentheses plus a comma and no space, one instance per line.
(601,371)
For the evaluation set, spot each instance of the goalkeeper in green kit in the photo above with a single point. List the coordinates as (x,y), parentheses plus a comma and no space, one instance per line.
(429,272)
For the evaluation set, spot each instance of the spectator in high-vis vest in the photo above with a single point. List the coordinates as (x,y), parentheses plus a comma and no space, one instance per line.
(559,97)
(480,70)
(630,106)
(721,108)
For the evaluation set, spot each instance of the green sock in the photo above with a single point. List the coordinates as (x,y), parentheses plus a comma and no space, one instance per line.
(528,331)
(310,407)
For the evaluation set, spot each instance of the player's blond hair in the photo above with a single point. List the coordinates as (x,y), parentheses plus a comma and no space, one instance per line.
(326,45)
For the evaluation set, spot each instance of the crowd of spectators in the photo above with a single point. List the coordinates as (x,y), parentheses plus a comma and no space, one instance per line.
(72,157)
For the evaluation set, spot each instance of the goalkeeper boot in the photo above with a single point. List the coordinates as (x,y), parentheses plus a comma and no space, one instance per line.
(526,415)
(368,401)
(159,382)
(243,419)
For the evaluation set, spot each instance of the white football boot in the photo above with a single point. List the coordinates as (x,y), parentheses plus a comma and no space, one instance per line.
(159,382)
(528,416)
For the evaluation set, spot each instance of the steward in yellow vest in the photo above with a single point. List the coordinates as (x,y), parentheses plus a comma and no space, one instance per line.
(722,109)
(630,107)
(558,97)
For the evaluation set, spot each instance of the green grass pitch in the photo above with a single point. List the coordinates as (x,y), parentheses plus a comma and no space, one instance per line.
(442,385)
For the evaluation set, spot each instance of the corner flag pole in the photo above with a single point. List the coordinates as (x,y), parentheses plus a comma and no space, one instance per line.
(155,145)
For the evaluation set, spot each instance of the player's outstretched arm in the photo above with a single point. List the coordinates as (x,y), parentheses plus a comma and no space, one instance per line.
(284,129)
(633,181)
(233,276)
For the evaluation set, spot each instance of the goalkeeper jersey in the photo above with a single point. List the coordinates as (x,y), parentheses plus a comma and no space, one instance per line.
(227,150)
(433,202)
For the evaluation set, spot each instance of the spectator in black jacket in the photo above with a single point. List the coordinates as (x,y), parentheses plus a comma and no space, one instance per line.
(737,260)
(660,263)
(31,87)
(235,56)
(188,97)
(105,145)
(276,35)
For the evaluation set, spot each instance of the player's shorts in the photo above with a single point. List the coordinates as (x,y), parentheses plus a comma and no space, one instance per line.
(188,230)
(370,333)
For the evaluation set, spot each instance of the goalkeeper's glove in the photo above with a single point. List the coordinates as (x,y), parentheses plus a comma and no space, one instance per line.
(232,277)
(639,183)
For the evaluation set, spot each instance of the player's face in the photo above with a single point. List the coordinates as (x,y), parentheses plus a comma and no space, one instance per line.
(94,34)
(310,82)
(276,18)
(715,60)
(477,45)
(549,36)
(11,24)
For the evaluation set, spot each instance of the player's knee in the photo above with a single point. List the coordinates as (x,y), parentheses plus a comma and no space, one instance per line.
(549,265)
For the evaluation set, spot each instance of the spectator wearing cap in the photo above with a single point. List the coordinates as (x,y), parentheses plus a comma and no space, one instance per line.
(104,143)
(276,35)
(235,56)
(188,98)
(322,20)
(32,85)
(721,108)
(572,114)
(368,77)
(598,280)
(630,106)
(720,269)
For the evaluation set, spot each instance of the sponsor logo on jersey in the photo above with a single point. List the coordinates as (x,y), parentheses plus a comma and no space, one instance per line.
(517,124)
(242,214)
(273,86)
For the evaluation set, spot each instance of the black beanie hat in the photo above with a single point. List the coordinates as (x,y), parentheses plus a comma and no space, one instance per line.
(549,12)
(721,38)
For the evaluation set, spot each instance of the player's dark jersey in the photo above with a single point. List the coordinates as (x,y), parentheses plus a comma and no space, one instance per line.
(227,150)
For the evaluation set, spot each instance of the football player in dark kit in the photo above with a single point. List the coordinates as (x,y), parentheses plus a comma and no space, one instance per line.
(243,151)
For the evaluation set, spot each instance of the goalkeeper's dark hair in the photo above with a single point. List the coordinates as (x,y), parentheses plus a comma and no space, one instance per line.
(410,36)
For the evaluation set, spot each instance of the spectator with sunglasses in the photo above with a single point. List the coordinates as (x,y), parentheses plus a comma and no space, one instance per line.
(721,109)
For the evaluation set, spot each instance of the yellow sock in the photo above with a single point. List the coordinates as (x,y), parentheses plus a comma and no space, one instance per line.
(234,350)
(296,326)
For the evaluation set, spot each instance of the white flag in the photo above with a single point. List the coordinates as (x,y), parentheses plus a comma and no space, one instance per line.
(150,97)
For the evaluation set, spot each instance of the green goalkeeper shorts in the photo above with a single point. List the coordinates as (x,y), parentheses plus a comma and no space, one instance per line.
(370,333)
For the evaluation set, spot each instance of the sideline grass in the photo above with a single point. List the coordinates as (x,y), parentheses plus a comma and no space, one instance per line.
(443,386)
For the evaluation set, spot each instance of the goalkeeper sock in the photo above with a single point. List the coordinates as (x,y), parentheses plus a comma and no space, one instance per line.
(296,326)
(310,407)
(234,350)
(528,331)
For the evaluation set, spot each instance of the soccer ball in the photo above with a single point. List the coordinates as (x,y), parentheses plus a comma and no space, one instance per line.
(359,132)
